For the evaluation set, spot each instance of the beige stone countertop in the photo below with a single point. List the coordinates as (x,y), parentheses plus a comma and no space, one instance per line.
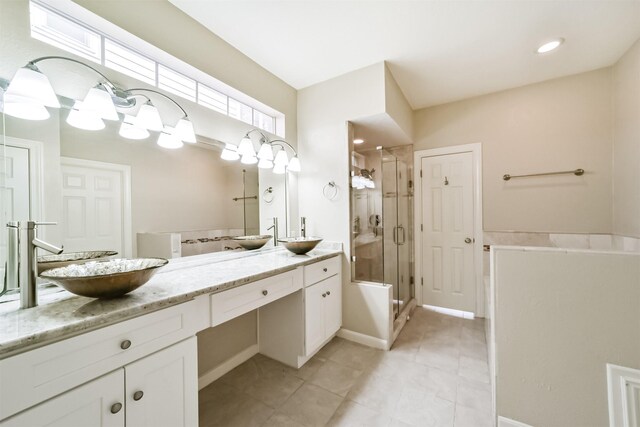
(61,314)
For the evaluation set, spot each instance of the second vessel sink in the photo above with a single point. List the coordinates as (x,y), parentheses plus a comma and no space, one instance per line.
(252,242)
(300,245)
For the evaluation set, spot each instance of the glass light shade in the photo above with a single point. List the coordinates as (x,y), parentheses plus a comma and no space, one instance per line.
(33,87)
(82,119)
(294,164)
(130,131)
(281,158)
(168,139)
(230,155)
(279,169)
(265,152)
(265,164)
(149,118)
(248,159)
(22,108)
(184,131)
(99,102)
(246,147)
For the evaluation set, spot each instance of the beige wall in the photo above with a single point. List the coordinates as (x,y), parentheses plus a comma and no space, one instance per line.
(560,317)
(561,124)
(626,144)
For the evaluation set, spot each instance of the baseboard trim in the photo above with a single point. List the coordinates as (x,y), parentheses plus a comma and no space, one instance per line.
(363,339)
(506,422)
(226,366)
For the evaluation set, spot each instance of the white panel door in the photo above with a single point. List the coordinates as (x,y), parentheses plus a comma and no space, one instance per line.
(17,189)
(93,208)
(162,389)
(447,237)
(99,403)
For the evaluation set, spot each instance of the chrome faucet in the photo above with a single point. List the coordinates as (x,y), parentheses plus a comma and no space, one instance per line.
(275,230)
(22,260)
(303,227)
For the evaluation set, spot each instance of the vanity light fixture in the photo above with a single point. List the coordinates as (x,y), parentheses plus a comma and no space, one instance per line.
(265,157)
(358,141)
(129,130)
(30,92)
(168,139)
(82,118)
(550,45)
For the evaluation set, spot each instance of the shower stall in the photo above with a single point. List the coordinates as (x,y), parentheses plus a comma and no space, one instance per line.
(382,220)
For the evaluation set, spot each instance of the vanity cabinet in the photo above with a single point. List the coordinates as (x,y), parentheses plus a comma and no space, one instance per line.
(160,389)
(323,312)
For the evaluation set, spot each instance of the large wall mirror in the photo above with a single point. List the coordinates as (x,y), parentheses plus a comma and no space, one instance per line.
(106,192)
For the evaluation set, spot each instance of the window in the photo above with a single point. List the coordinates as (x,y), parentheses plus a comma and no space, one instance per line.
(239,111)
(128,62)
(64,33)
(212,99)
(177,83)
(57,29)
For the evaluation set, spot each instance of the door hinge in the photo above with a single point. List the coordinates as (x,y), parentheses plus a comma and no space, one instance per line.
(353,258)
(421,281)
(411,280)
(421,229)
(420,173)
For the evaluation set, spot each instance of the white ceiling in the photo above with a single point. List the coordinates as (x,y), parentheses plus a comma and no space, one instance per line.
(438,51)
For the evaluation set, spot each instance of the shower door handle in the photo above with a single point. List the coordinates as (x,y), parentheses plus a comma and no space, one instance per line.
(395,235)
(404,237)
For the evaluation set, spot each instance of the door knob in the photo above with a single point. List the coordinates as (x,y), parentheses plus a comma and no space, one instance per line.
(138,395)
(115,408)
(468,240)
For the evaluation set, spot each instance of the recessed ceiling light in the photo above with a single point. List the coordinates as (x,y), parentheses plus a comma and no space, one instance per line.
(358,141)
(549,46)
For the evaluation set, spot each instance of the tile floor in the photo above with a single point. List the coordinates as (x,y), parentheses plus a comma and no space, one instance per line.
(436,374)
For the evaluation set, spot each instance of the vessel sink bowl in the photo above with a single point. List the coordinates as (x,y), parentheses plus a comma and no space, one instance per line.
(47,262)
(300,245)
(252,242)
(105,279)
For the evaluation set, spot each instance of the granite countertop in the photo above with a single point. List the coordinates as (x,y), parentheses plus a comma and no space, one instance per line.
(62,314)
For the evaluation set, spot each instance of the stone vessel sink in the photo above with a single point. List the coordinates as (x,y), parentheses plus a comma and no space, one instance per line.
(105,279)
(252,242)
(300,245)
(47,262)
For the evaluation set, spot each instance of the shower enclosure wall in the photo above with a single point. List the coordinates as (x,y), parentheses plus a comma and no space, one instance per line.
(382,220)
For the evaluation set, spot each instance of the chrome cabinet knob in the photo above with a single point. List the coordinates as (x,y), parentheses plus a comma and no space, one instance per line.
(325,269)
(328,292)
(125,344)
(138,395)
(324,295)
(115,408)
(265,292)
(468,240)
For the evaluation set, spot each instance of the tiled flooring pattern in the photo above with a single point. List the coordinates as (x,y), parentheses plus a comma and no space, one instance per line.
(436,374)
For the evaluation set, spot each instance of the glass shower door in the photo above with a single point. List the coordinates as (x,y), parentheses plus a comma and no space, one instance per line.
(390,224)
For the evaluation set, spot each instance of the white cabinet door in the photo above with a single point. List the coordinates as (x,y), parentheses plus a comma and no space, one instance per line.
(314,317)
(333,305)
(99,403)
(162,389)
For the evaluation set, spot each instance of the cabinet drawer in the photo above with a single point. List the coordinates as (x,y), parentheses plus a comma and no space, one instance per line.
(34,376)
(232,303)
(314,273)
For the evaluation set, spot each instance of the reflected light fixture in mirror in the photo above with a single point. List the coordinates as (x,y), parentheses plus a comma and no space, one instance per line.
(129,130)
(265,164)
(358,141)
(265,152)
(279,169)
(81,118)
(281,158)
(230,153)
(294,164)
(168,139)
(99,102)
(246,148)
(248,159)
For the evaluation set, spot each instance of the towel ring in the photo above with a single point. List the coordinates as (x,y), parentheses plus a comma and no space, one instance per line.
(267,195)
(330,190)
